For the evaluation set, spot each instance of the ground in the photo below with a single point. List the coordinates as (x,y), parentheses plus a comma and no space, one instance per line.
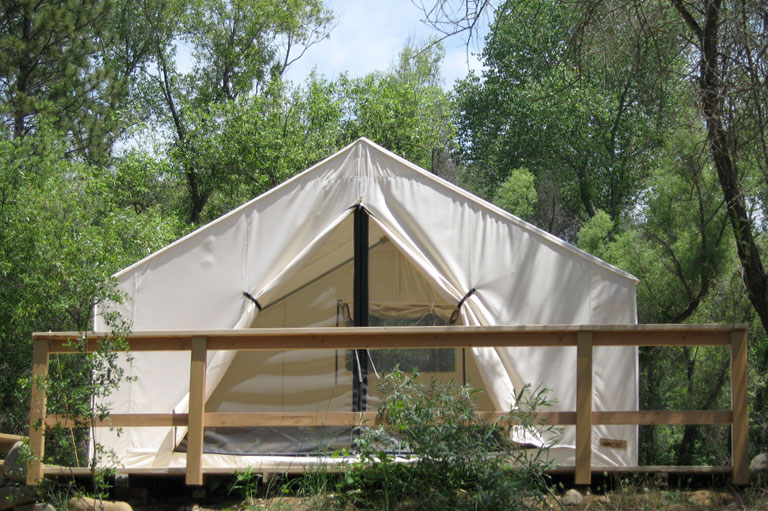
(630,497)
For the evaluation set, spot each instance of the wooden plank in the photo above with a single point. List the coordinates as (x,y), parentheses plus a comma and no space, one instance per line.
(583,472)
(300,464)
(253,419)
(195,433)
(158,343)
(122,420)
(739,429)
(553,418)
(659,417)
(37,404)
(417,337)
(662,338)
(246,332)
(7,441)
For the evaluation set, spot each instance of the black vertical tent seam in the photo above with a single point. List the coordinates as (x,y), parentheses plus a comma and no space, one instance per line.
(360,306)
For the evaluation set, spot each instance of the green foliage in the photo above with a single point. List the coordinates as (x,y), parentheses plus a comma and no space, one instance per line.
(244,147)
(240,50)
(246,483)
(63,232)
(79,385)
(518,194)
(434,452)
(75,62)
(595,234)
(404,110)
(584,123)
(677,243)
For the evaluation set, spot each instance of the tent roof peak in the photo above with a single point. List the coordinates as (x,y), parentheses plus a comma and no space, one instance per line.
(345,165)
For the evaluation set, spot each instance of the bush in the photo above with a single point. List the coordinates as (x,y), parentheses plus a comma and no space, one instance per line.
(432,451)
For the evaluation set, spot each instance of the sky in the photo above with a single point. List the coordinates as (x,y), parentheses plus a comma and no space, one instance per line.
(368,36)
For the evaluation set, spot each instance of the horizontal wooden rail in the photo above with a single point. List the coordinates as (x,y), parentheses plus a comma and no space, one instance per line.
(7,441)
(270,419)
(399,337)
(582,338)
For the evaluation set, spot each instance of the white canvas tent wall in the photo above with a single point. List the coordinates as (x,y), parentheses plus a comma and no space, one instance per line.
(448,242)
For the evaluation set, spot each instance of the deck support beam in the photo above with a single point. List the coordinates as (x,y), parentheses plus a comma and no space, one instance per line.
(740,426)
(37,411)
(196,411)
(583,473)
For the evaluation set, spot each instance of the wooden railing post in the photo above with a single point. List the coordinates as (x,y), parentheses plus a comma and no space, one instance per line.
(196,411)
(583,472)
(739,428)
(37,411)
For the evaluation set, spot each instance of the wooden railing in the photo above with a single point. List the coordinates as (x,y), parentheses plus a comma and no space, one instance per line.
(584,338)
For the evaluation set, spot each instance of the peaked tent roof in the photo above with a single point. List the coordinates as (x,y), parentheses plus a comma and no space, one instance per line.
(462,241)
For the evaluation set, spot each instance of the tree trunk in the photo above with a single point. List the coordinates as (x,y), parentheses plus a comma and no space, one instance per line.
(712,90)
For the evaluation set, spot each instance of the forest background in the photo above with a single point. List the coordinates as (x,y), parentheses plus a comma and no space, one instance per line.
(634,129)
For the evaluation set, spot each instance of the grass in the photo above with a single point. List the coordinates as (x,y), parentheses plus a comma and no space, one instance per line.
(296,494)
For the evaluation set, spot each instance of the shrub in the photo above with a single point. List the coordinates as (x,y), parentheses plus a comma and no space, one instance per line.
(433,451)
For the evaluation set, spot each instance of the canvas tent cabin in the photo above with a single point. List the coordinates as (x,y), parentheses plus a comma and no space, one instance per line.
(436,255)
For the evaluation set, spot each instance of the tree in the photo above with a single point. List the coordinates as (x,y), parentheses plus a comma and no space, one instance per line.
(255,143)
(239,49)
(518,194)
(71,61)
(62,234)
(726,41)
(588,123)
(405,110)
(677,244)
(729,42)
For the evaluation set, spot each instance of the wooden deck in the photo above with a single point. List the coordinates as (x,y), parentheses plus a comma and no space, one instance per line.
(584,338)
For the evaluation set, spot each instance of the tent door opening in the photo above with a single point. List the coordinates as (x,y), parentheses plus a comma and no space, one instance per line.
(356,277)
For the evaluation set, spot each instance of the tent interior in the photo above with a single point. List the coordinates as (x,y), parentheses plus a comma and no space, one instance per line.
(320,294)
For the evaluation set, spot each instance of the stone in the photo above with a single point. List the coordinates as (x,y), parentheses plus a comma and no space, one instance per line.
(572,498)
(704,498)
(38,506)
(89,504)
(759,464)
(733,506)
(12,495)
(13,468)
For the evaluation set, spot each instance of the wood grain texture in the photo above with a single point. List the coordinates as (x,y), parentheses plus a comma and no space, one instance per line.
(37,411)
(196,427)
(583,472)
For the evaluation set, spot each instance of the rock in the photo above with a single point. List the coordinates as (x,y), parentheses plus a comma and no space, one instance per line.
(759,464)
(572,498)
(13,468)
(733,506)
(704,498)
(89,504)
(38,506)
(602,500)
(12,495)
